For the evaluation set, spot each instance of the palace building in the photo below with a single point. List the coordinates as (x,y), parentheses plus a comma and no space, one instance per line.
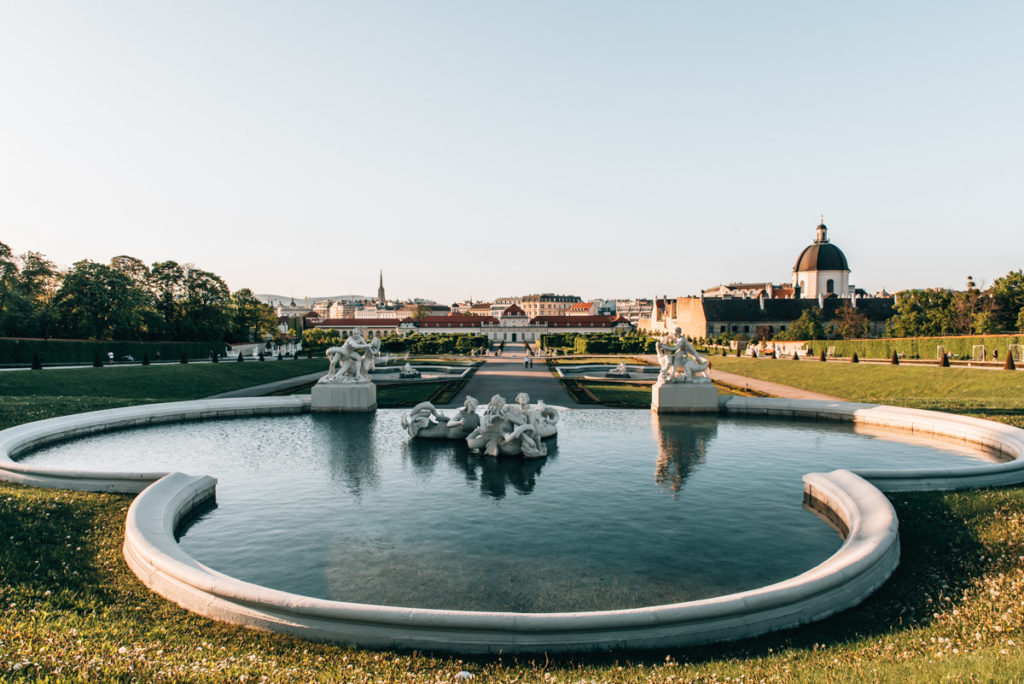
(820,280)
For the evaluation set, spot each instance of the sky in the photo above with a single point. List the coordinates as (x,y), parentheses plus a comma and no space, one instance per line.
(486,149)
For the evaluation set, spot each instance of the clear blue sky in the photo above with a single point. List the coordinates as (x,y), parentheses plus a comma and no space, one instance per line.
(491,148)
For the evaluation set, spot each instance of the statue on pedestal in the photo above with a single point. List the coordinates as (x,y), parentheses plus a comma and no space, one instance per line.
(347,364)
(679,361)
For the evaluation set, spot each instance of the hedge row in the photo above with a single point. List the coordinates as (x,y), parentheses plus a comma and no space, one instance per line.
(20,351)
(920,347)
(598,343)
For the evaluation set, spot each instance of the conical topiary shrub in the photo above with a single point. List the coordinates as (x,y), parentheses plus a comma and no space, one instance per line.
(723,351)
(854,358)
(895,358)
(240,359)
(280,357)
(145,358)
(184,357)
(214,357)
(773,355)
(262,358)
(738,350)
(944,361)
(97,362)
(821,356)
(37,362)
(1009,365)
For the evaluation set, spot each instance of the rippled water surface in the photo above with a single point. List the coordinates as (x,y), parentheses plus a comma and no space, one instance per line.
(627,510)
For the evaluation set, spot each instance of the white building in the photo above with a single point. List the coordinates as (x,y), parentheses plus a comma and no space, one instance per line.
(821,269)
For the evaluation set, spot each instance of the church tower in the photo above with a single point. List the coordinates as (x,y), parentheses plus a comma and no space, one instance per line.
(380,288)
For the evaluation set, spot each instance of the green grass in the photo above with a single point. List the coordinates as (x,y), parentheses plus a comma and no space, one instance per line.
(71,610)
(586,360)
(33,395)
(984,393)
(622,395)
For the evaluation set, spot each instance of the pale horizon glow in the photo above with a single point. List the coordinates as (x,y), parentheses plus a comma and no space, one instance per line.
(492,149)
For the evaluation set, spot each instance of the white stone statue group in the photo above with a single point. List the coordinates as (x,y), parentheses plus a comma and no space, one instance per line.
(347,363)
(679,361)
(503,429)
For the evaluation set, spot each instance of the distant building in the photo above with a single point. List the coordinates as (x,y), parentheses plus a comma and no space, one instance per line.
(821,281)
(582,309)
(633,310)
(821,268)
(380,288)
(547,304)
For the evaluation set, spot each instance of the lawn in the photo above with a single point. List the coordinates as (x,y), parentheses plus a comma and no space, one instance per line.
(33,395)
(587,360)
(994,394)
(70,608)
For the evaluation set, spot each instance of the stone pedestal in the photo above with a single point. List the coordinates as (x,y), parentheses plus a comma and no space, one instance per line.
(340,397)
(684,397)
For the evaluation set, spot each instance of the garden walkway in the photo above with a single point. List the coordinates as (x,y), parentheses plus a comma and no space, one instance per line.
(505,375)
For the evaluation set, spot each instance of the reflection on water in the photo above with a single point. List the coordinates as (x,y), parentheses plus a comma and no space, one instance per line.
(682,443)
(352,452)
(495,475)
(346,507)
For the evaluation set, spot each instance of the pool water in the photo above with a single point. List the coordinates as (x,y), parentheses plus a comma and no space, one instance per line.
(629,509)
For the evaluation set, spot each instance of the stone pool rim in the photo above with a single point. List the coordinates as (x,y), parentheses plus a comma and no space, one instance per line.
(851,500)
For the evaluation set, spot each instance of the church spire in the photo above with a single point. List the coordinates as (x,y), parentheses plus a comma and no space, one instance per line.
(380,288)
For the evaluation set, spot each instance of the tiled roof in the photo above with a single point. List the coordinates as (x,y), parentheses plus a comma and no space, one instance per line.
(359,322)
(875,309)
(513,310)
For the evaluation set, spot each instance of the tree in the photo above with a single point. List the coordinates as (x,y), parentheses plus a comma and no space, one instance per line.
(850,323)
(422,311)
(1020,320)
(97,302)
(1008,300)
(205,309)
(921,313)
(807,327)
(250,318)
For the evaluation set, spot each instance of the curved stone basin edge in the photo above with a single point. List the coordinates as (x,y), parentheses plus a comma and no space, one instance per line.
(853,501)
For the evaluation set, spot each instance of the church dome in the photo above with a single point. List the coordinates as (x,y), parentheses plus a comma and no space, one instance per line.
(822,255)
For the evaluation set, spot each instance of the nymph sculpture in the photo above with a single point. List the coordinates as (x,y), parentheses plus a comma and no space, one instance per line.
(347,364)
(516,429)
(424,420)
(503,429)
(679,361)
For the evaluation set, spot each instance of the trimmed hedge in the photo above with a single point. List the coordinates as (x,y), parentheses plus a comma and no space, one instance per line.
(21,351)
(923,347)
(598,343)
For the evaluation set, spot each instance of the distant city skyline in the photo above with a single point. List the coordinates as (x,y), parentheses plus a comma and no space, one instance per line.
(489,149)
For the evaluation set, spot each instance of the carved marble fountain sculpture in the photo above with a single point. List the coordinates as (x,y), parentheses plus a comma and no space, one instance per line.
(504,429)
(346,386)
(684,382)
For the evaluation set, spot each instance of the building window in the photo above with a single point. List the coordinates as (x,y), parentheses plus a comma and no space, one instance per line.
(746,328)
(782,327)
(735,328)
(830,286)
(721,328)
